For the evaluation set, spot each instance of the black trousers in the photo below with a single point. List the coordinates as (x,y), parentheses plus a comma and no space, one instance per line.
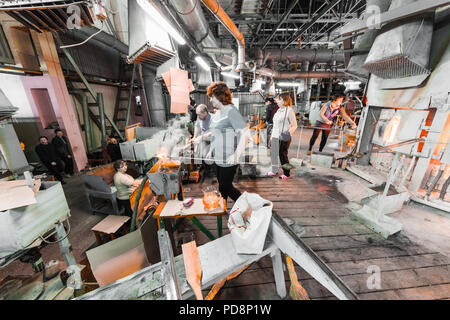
(225,177)
(127,205)
(68,165)
(283,152)
(55,170)
(316,132)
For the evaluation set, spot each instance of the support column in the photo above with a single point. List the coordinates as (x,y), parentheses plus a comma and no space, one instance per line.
(155,100)
(54,81)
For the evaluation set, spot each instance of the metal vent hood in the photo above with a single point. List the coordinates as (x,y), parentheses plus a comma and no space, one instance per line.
(148,43)
(402,49)
(47,16)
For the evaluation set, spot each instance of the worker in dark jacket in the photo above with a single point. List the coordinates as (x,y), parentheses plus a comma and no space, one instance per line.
(49,157)
(271,109)
(113,149)
(62,148)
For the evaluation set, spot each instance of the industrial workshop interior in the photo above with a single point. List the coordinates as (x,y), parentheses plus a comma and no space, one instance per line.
(224,150)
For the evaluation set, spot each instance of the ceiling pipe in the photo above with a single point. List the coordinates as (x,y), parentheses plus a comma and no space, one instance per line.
(223,17)
(191,15)
(224,51)
(300,74)
(299,55)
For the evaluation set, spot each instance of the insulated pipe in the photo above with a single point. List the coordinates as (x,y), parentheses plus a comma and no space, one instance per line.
(299,55)
(310,75)
(224,51)
(223,17)
(191,14)
(300,74)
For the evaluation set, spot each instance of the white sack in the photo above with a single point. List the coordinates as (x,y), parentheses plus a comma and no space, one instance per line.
(249,237)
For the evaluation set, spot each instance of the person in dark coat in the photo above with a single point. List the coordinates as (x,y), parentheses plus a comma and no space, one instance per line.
(271,109)
(50,158)
(113,149)
(62,148)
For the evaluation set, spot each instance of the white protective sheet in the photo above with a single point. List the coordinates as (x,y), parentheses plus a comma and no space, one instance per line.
(249,236)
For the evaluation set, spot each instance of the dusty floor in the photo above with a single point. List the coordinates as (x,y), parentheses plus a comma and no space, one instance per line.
(317,198)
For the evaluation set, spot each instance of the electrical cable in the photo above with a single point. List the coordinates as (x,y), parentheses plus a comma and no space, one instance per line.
(59,240)
(81,43)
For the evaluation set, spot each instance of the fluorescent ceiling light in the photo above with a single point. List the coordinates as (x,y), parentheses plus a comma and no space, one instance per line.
(202,63)
(288,84)
(230,75)
(161,20)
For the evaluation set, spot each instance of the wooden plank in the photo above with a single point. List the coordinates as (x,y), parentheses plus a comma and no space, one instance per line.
(434,292)
(332,231)
(365,253)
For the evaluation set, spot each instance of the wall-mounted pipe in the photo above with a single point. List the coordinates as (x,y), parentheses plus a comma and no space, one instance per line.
(223,17)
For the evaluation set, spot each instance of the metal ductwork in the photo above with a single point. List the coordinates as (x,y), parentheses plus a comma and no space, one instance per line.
(222,16)
(298,55)
(300,74)
(402,49)
(310,75)
(191,14)
(154,95)
(224,51)
(365,41)
(47,16)
(148,43)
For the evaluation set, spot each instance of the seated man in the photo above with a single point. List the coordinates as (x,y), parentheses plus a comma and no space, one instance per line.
(49,157)
(62,148)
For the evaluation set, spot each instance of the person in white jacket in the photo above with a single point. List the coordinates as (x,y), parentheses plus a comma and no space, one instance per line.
(284,126)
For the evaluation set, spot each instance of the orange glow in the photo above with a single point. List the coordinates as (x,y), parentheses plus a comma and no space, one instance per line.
(391,130)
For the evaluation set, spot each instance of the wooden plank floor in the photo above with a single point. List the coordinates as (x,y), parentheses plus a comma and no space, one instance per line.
(408,271)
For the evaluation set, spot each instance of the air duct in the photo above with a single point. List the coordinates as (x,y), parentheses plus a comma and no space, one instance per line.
(300,74)
(222,16)
(298,55)
(365,41)
(402,49)
(191,14)
(224,51)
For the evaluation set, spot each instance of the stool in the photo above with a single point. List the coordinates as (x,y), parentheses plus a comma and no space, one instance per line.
(109,226)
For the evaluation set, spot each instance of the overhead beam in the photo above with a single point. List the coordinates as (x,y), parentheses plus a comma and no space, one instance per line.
(313,21)
(402,12)
(282,20)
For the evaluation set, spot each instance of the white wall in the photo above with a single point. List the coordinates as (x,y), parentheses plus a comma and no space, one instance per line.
(12,87)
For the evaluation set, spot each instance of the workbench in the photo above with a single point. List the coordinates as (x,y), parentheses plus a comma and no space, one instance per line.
(174,209)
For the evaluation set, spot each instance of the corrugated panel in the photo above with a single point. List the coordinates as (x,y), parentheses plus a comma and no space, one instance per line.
(47,16)
(92,59)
